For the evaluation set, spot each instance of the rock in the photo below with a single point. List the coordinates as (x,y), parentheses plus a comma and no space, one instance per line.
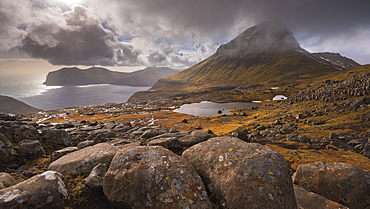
(83,161)
(151,133)
(103,137)
(46,190)
(6,180)
(30,148)
(333,136)
(123,127)
(343,183)
(143,177)
(261,128)
(85,144)
(185,121)
(303,138)
(194,137)
(7,152)
(96,177)
(173,130)
(60,137)
(59,153)
(24,132)
(315,122)
(177,142)
(171,143)
(310,200)
(239,174)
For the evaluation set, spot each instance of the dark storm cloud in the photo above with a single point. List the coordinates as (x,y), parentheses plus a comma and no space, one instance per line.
(81,41)
(173,32)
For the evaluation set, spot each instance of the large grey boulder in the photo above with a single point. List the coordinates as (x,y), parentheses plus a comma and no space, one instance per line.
(31,148)
(343,183)
(153,177)
(60,137)
(46,190)
(242,175)
(84,160)
(23,132)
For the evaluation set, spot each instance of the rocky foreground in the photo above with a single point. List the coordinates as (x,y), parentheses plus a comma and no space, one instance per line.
(309,151)
(86,164)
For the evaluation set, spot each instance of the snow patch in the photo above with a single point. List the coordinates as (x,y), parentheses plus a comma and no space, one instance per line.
(279,97)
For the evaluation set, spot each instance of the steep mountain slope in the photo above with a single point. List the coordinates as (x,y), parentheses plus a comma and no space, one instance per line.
(97,75)
(266,53)
(11,105)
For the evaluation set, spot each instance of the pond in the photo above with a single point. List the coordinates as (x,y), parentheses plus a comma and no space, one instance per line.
(206,108)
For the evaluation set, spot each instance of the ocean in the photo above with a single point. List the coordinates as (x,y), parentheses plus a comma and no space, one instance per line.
(30,90)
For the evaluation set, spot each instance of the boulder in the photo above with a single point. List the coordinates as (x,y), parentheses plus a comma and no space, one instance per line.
(343,183)
(6,180)
(7,152)
(46,190)
(310,200)
(103,137)
(59,153)
(239,174)
(24,132)
(177,142)
(30,148)
(96,177)
(60,137)
(195,137)
(143,177)
(152,133)
(85,144)
(84,160)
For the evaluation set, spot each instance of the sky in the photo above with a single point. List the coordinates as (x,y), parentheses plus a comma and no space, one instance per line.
(174,33)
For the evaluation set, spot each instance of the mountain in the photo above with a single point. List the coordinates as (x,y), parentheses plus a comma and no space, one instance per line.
(265,53)
(11,105)
(98,75)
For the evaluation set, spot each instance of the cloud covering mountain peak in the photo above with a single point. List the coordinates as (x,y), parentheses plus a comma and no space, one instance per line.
(171,32)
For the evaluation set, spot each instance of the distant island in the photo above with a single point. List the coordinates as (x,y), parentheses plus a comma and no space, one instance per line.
(11,105)
(98,75)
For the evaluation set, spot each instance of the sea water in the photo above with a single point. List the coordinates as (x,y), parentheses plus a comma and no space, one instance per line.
(30,90)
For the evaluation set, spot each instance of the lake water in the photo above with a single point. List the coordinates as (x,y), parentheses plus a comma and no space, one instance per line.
(206,108)
(29,89)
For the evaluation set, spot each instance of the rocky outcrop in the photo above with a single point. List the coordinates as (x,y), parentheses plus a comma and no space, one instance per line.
(239,174)
(343,183)
(46,190)
(334,91)
(141,177)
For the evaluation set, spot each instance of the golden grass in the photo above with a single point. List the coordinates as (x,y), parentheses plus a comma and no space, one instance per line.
(305,155)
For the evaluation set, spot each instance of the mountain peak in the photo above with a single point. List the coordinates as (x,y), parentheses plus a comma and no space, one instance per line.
(267,37)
